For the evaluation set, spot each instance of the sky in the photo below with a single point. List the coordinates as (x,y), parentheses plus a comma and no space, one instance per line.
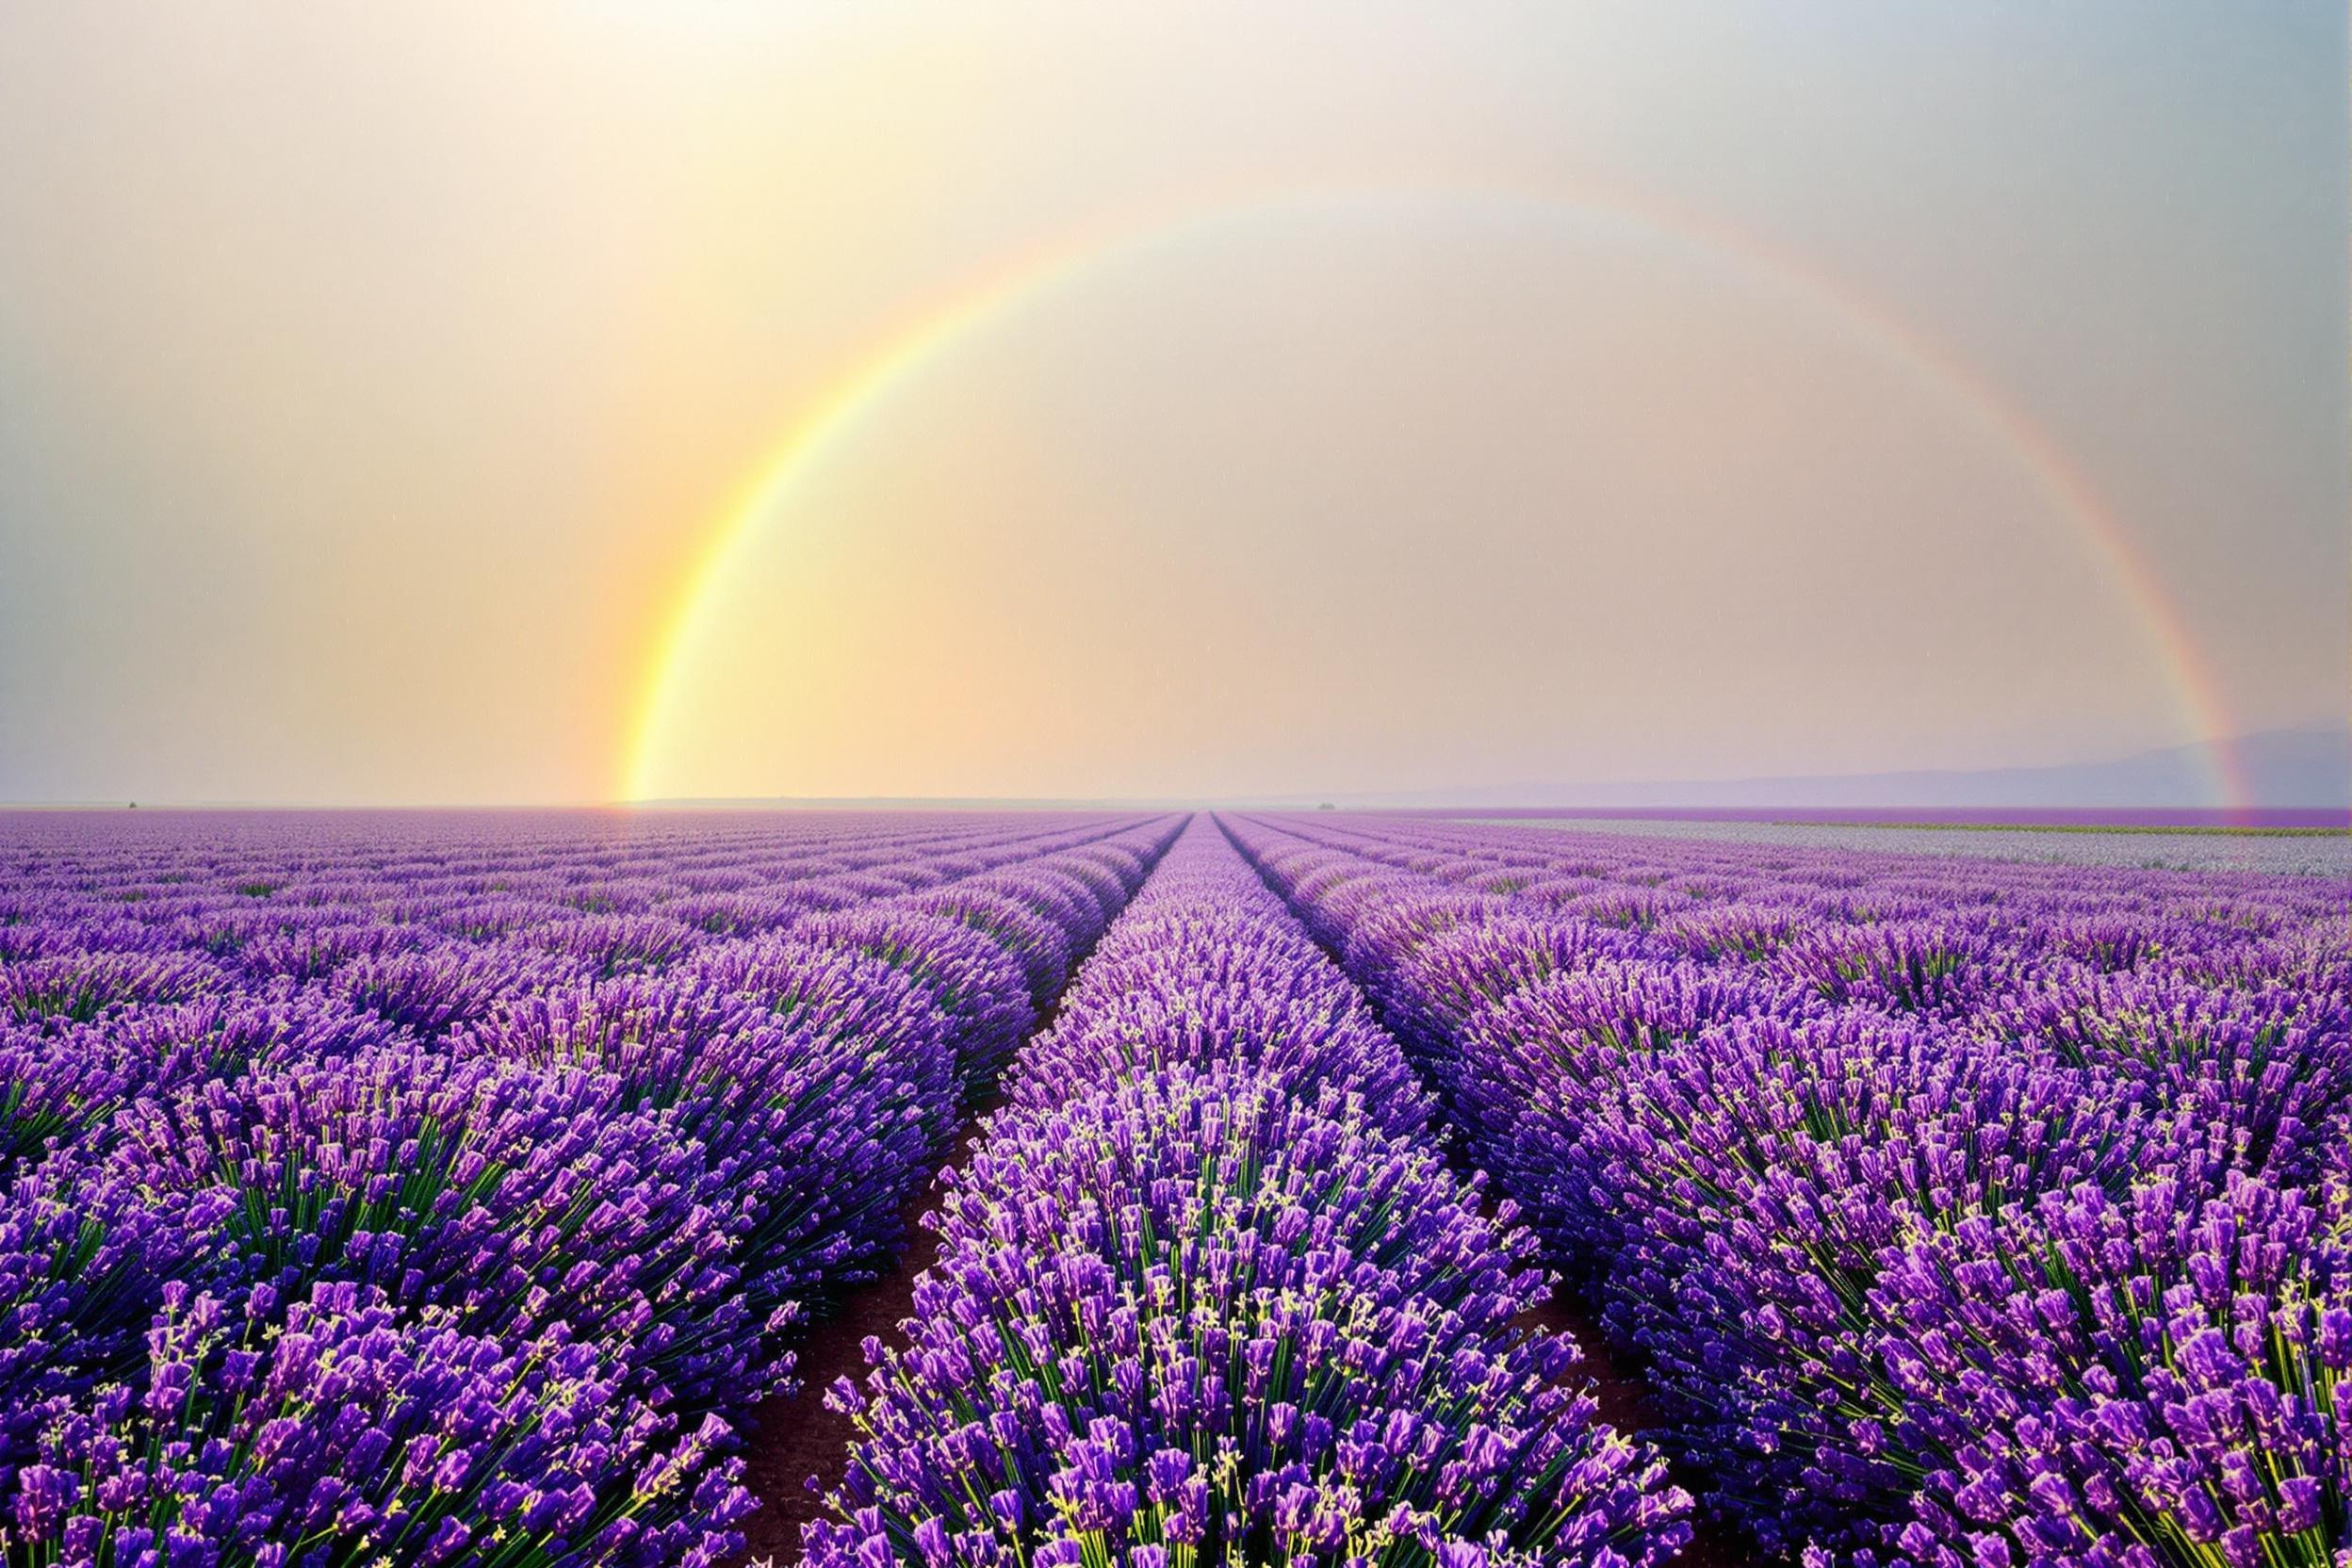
(515,404)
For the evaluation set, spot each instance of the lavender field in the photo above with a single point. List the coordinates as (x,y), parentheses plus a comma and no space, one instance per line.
(472,1188)
(1098,784)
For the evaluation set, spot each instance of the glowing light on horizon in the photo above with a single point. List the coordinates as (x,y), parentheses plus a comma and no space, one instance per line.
(1031,277)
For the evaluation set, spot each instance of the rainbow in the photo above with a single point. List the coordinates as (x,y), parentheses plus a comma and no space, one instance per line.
(1029,277)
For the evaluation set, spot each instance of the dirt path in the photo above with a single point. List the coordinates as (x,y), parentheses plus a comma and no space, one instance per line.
(797,1436)
(1628,1405)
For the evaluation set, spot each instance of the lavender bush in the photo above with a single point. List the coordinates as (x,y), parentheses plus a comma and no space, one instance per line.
(1962,1213)
(1208,1292)
(359,1434)
(440,1189)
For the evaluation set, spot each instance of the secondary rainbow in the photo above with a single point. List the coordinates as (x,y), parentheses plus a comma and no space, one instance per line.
(1027,278)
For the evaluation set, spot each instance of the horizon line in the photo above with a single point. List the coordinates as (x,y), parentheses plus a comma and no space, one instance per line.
(1760,810)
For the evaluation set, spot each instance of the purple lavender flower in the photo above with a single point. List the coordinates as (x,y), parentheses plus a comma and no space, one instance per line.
(385,1438)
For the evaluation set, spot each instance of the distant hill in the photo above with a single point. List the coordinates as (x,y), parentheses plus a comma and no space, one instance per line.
(2287,768)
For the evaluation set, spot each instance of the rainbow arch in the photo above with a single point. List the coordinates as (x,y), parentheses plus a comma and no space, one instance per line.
(1031,276)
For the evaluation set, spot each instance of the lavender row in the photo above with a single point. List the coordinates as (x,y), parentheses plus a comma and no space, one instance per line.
(1967,1215)
(472,1235)
(1207,1292)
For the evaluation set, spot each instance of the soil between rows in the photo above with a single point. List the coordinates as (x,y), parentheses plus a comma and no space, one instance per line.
(1627,1404)
(799,1438)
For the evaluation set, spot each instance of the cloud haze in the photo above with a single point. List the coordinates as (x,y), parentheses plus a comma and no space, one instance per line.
(1356,396)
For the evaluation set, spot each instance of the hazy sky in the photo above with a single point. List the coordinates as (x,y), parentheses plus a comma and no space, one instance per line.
(497,403)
